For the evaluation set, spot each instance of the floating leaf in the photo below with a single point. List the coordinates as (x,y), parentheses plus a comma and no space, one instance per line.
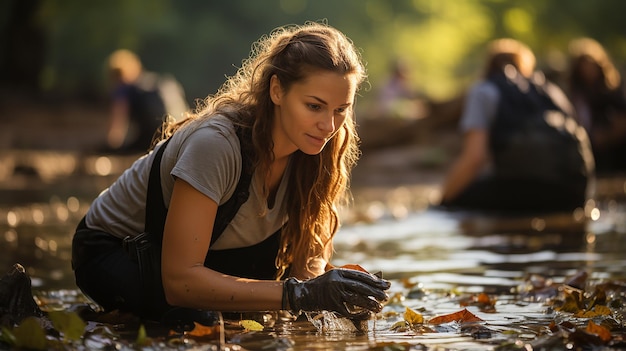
(68,323)
(597,311)
(355,267)
(6,336)
(413,317)
(602,310)
(142,336)
(201,330)
(599,330)
(482,301)
(30,335)
(572,302)
(462,316)
(251,325)
(484,298)
(578,280)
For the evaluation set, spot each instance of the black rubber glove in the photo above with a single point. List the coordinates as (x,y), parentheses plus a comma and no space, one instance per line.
(349,292)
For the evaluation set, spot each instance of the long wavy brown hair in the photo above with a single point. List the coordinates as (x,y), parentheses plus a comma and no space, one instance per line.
(317,183)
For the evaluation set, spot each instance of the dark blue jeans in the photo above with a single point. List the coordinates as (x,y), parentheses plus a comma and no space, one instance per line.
(104,271)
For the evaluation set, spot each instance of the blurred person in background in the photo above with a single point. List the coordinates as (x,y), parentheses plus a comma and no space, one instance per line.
(397,97)
(597,93)
(522,150)
(141,100)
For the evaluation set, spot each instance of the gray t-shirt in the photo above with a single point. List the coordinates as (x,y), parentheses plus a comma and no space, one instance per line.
(481,105)
(206,154)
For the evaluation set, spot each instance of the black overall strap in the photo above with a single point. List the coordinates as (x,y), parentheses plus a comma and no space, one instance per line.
(155,206)
(227,211)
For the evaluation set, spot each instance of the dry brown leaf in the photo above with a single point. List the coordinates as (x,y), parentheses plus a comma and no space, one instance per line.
(355,267)
(599,330)
(201,330)
(462,316)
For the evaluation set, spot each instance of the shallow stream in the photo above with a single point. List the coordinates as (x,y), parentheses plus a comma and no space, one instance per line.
(439,263)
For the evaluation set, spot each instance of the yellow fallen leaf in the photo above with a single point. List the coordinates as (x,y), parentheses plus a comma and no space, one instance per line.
(251,325)
(598,310)
(413,317)
(602,310)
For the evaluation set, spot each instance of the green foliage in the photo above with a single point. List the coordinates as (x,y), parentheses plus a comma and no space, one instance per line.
(142,336)
(201,41)
(30,334)
(69,324)
(7,337)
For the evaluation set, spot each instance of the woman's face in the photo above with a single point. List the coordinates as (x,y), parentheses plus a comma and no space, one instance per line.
(309,114)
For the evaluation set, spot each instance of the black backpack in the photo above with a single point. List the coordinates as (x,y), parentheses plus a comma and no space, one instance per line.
(146,109)
(532,136)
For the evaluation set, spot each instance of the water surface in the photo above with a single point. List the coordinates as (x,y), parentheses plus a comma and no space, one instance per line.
(435,259)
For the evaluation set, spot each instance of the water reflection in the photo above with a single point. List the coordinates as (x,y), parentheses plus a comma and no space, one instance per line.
(450,249)
(38,236)
(439,247)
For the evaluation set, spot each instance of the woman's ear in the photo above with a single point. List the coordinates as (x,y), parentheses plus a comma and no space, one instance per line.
(276,91)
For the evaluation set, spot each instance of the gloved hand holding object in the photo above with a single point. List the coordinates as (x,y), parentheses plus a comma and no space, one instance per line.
(351,293)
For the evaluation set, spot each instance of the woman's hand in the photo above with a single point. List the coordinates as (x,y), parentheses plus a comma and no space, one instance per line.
(349,292)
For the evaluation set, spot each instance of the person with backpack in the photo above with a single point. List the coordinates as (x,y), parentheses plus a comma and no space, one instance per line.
(523,150)
(236,209)
(141,100)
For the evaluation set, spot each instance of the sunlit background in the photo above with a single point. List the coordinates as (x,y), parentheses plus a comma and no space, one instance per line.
(63,44)
(54,105)
(55,90)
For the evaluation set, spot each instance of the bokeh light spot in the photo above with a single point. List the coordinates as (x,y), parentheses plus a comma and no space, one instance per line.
(518,21)
(73,204)
(103,166)
(12,219)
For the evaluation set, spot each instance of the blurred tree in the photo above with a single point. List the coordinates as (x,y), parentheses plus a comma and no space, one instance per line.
(22,45)
(201,41)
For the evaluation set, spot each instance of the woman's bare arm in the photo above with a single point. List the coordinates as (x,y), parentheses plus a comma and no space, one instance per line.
(474,156)
(187,282)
